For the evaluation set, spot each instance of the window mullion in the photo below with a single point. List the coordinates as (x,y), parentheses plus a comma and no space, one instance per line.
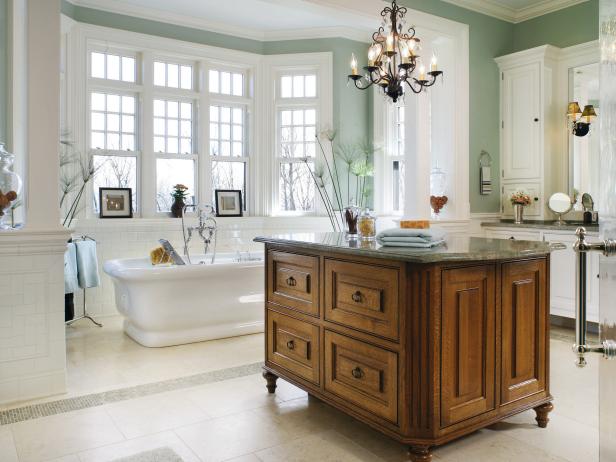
(148,160)
(203,138)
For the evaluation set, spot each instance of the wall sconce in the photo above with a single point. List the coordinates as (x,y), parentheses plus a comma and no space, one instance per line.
(580,120)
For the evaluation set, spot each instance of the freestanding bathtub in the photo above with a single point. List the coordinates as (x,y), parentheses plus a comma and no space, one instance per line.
(173,305)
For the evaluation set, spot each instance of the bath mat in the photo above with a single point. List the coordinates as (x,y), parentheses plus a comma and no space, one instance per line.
(165,454)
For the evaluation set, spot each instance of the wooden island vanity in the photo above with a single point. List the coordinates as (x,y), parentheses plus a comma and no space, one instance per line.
(423,345)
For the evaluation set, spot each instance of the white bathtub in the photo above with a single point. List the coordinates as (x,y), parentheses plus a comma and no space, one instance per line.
(173,305)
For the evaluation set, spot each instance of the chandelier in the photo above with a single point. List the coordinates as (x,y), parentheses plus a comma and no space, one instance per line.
(393,58)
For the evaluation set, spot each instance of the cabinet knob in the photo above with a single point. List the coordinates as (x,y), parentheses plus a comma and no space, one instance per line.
(291,345)
(356,297)
(291,282)
(536,119)
(357,373)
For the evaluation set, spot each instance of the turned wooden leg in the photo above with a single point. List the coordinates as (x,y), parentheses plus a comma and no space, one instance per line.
(420,454)
(271,381)
(542,414)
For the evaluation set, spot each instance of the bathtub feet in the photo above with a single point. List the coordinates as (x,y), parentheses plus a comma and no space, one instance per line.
(271,381)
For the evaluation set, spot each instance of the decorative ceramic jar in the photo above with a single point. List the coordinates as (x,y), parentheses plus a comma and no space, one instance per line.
(367,225)
(351,216)
(10,187)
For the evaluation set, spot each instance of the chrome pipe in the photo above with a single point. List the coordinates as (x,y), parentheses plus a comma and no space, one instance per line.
(608,347)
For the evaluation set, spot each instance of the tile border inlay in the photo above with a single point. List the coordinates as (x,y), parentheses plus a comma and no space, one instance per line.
(76,403)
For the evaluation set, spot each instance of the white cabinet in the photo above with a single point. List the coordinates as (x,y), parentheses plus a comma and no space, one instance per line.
(562,279)
(530,125)
(513,234)
(521,122)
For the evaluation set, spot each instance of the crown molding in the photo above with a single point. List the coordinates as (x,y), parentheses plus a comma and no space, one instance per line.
(515,15)
(119,7)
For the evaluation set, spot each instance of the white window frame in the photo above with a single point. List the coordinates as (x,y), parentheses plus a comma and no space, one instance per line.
(319,64)
(84,38)
(417,156)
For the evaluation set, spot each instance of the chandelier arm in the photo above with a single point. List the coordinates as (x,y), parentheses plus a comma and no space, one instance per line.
(359,87)
(409,83)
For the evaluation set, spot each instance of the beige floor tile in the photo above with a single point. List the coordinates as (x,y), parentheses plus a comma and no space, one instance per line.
(51,437)
(563,437)
(231,396)
(489,446)
(135,446)
(329,446)
(233,436)
(286,391)
(8,451)
(151,414)
(246,458)
(71,458)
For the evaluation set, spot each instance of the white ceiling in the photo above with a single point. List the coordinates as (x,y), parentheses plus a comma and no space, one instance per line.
(284,19)
(515,11)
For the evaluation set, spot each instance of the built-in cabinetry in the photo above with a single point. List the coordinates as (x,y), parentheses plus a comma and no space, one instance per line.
(425,353)
(529,116)
(562,274)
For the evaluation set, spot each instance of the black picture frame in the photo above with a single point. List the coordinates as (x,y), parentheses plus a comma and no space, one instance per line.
(238,209)
(126,194)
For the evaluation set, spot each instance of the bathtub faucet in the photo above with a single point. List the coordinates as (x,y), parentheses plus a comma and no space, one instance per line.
(206,229)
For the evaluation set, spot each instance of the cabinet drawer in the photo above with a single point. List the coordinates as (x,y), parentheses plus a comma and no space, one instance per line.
(362,374)
(293,345)
(293,281)
(361,296)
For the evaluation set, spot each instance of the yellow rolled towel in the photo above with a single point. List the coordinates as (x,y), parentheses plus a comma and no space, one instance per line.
(415,224)
(159,256)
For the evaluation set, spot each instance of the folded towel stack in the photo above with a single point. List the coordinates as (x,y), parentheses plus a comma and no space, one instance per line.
(417,238)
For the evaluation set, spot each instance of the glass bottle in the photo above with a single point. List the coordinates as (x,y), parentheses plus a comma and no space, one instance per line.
(351,215)
(438,185)
(10,187)
(367,225)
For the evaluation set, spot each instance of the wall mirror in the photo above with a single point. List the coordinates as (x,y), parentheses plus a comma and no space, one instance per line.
(584,151)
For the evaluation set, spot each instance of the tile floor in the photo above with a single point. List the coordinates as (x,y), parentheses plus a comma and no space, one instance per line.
(236,420)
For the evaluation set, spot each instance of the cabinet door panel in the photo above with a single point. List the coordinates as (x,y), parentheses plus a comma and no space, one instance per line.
(524,318)
(468,343)
(522,122)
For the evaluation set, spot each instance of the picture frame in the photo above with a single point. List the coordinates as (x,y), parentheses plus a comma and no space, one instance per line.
(115,202)
(229,203)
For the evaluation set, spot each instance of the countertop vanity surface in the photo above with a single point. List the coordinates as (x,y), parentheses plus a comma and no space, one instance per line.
(424,345)
(551,225)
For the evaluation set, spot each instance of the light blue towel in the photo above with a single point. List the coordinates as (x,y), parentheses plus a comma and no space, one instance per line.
(87,264)
(71,284)
(419,238)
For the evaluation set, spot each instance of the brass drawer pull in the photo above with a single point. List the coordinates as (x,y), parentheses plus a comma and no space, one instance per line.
(356,297)
(291,282)
(291,345)
(357,373)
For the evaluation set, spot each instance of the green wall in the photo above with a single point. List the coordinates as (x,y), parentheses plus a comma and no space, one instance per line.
(488,38)
(3,69)
(563,28)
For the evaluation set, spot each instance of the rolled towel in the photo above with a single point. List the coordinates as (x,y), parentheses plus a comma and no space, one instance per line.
(421,238)
(87,264)
(71,284)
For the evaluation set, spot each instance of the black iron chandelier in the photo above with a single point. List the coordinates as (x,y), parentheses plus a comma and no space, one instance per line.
(393,58)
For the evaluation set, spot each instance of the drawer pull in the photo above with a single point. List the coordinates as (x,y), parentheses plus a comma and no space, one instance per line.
(357,373)
(356,297)
(291,282)
(291,345)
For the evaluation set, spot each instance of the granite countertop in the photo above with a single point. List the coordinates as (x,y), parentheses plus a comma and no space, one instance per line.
(456,249)
(541,224)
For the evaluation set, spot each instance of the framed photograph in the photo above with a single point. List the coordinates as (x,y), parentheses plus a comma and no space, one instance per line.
(228,203)
(115,202)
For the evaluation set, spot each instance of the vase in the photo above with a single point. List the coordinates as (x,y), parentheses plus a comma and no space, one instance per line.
(351,216)
(177,208)
(10,187)
(518,213)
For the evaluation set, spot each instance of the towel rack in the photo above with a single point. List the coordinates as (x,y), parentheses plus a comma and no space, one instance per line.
(85,314)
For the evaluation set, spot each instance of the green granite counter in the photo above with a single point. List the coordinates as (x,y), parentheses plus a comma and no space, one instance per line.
(456,249)
(541,224)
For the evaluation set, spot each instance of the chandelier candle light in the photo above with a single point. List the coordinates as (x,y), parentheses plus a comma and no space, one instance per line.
(393,59)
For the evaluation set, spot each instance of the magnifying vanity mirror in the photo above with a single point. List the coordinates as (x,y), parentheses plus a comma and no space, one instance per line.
(560,204)
(584,151)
